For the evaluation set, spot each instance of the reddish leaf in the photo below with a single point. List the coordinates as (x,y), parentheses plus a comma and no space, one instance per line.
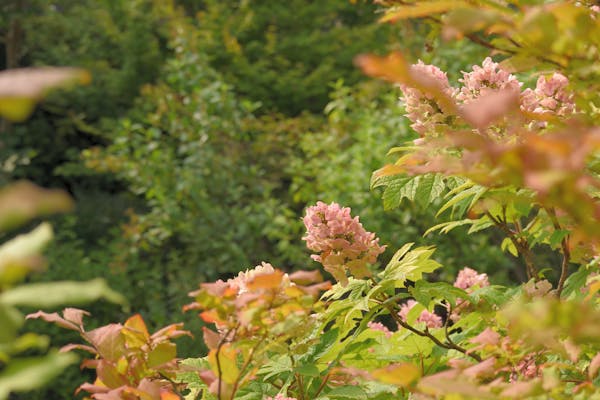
(93,388)
(306,277)
(316,289)
(491,107)
(394,68)
(89,363)
(108,341)
(521,390)
(150,388)
(207,377)
(483,369)
(75,315)
(211,316)
(23,200)
(594,366)
(54,318)
(33,82)
(172,331)
(73,346)
(211,338)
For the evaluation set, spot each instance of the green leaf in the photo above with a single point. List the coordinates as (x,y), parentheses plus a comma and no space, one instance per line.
(161,354)
(31,373)
(10,321)
(576,281)
(393,194)
(462,198)
(557,236)
(276,366)
(431,186)
(347,392)
(424,292)
(409,266)
(446,227)
(423,189)
(47,295)
(508,245)
(308,370)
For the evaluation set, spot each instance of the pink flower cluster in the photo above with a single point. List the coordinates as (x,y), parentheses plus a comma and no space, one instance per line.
(378,326)
(280,397)
(526,368)
(549,96)
(468,278)
(422,108)
(431,320)
(484,80)
(340,241)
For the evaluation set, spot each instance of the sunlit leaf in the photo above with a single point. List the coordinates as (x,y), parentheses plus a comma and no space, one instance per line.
(54,294)
(26,374)
(161,354)
(20,255)
(420,9)
(224,361)
(21,88)
(402,375)
(22,201)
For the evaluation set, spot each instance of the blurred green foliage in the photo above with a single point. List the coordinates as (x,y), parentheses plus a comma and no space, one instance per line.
(204,138)
(284,54)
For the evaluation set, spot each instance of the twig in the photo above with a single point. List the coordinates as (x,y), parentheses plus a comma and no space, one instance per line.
(520,244)
(246,364)
(449,345)
(323,383)
(564,244)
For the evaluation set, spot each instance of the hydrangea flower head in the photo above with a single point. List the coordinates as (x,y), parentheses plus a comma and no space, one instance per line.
(431,320)
(340,241)
(421,108)
(468,278)
(549,96)
(486,79)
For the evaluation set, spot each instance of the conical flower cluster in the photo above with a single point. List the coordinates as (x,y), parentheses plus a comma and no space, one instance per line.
(340,241)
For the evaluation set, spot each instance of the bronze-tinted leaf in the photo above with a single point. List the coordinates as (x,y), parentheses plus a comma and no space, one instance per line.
(23,200)
(266,281)
(56,319)
(490,108)
(306,277)
(21,88)
(108,341)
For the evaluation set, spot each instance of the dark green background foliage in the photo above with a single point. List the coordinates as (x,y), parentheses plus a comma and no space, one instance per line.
(203,137)
(284,54)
